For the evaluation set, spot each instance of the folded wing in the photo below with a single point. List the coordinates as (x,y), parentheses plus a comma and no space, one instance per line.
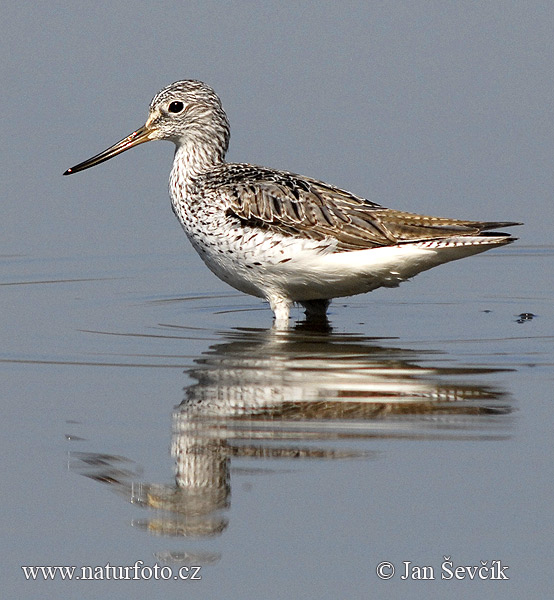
(294,205)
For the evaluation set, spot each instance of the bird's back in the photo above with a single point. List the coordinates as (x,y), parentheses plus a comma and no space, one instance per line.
(300,207)
(274,233)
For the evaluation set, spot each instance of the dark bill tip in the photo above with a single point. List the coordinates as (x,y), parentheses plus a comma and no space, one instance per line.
(140,136)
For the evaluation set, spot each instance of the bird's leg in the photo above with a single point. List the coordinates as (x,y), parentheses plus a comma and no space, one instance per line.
(316,310)
(281,311)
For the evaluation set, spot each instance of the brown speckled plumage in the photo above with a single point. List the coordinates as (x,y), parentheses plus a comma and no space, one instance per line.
(281,236)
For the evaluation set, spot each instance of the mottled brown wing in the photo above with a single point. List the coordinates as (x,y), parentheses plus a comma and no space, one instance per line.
(304,207)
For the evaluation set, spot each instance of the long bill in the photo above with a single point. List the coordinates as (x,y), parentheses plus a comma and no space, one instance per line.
(140,136)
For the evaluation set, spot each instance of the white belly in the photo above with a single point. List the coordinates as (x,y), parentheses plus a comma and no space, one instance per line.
(299,269)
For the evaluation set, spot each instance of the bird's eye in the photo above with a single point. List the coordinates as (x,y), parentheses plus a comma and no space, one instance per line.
(176,107)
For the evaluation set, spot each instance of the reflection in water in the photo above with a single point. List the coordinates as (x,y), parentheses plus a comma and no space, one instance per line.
(296,395)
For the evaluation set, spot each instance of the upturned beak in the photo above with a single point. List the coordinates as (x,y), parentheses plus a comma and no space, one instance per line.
(140,136)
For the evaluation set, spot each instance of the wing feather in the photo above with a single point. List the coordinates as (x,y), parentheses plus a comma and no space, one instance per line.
(303,207)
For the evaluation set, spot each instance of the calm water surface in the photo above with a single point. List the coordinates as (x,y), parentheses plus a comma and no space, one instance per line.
(148,420)
(148,411)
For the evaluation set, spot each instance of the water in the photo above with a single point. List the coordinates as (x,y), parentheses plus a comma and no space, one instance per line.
(144,424)
(419,427)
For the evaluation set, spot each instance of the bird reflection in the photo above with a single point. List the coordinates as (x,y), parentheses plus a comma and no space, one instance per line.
(299,394)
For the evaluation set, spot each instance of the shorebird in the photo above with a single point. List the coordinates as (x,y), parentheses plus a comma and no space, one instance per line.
(284,237)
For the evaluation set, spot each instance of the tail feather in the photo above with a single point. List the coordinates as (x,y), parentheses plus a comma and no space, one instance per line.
(405,227)
(487,226)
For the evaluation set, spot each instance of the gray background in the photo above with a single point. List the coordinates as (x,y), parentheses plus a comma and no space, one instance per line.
(440,108)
